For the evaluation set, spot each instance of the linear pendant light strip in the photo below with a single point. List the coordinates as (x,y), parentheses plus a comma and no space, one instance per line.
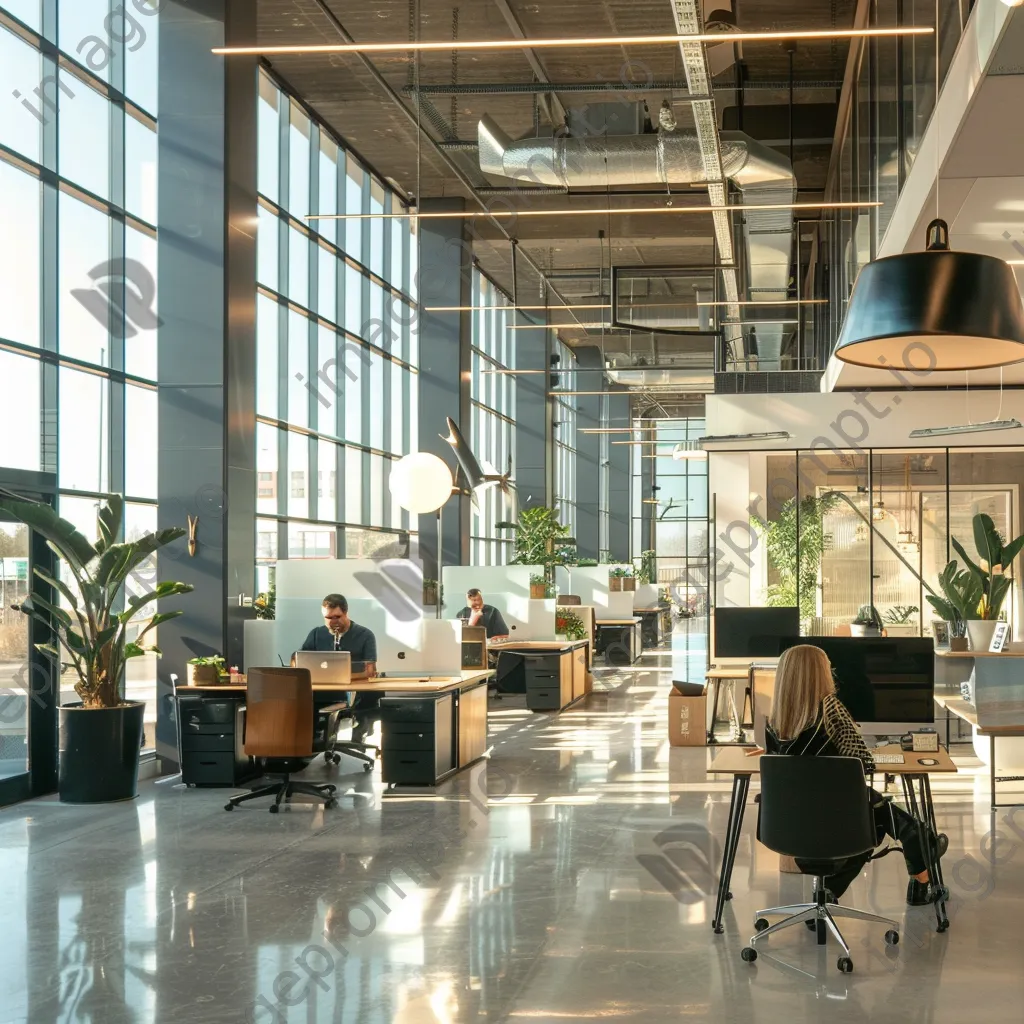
(447,46)
(607,211)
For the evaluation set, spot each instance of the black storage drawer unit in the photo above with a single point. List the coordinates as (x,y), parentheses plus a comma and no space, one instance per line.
(417,739)
(212,739)
(544,682)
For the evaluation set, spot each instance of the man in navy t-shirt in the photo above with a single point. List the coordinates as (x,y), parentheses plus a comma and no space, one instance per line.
(340,633)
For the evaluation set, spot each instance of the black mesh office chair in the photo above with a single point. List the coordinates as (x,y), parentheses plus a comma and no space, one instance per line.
(815,810)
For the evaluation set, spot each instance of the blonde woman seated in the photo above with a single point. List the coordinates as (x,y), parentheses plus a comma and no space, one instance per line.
(808,719)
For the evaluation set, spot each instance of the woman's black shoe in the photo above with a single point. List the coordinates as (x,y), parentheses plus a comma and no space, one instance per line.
(920,894)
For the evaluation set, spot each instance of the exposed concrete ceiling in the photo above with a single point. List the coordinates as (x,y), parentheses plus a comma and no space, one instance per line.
(347,97)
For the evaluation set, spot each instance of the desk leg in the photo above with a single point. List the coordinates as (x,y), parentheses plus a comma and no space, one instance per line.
(716,686)
(740,787)
(923,811)
(992,768)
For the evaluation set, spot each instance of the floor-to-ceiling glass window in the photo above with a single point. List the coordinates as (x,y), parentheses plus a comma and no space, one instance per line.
(337,344)
(78,304)
(565,443)
(493,397)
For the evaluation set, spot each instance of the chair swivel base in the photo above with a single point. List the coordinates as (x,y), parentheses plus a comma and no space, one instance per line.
(284,790)
(353,749)
(822,914)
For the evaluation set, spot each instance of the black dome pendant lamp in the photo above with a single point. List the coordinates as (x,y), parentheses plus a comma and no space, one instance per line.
(934,310)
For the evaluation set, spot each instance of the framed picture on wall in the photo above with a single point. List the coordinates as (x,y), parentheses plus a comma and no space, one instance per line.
(940,633)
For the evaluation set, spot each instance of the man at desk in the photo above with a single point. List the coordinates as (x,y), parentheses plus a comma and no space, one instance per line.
(476,613)
(340,633)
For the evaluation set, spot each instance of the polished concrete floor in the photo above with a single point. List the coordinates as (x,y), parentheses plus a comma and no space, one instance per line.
(569,877)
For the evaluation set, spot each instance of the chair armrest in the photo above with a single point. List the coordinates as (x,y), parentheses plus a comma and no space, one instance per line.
(330,709)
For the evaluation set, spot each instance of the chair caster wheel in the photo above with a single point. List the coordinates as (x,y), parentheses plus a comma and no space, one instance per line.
(367,767)
(845,965)
(760,924)
(331,803)
(748,954)
(229,807)
(892,937)
(274,809)
(728,895)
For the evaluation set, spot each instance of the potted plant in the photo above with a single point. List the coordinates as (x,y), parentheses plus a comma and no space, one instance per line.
(898,620)
(541,539)
(648,570)
(621,579)
(867,623)
(429,592)
(205,671)
(538,586)
(266,603)
(991,574)
(101,736)
(959,603)
(569,624)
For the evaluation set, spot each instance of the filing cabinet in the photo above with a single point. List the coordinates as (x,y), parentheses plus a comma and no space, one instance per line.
(211,738)
(418,746)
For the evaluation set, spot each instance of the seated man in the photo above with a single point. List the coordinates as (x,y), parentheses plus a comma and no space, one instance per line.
(476,613)
(340,633)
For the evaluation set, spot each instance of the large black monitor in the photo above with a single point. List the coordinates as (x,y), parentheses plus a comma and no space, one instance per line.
(886,683)
(753,632)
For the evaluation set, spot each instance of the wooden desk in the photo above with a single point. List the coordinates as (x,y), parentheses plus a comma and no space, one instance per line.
(655,623)
(718,674)
(431,726)
(556,671)
(914,775)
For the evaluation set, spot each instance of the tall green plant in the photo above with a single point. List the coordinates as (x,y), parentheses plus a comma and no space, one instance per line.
(794,554)
(93,634)
(993,572)
(648,570)
(962,596)
(541,538)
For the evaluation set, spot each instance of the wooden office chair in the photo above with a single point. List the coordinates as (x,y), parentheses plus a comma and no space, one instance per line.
(279,728)
(816,810)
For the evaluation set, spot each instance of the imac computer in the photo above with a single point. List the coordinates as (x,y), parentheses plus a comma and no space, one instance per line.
(753,633)
(886,683)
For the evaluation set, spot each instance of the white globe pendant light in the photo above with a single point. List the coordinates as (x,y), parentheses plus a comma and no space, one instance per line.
(421,483)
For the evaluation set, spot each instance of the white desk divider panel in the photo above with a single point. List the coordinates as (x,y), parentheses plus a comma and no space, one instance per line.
(527,619)
(395,583)
(646,595)
(591,584)
(497,583)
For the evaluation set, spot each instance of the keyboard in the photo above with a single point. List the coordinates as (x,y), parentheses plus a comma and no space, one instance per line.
(887,758)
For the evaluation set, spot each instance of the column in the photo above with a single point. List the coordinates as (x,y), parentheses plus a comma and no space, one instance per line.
(619,526)
(207,371)
(588,454)
(446,279)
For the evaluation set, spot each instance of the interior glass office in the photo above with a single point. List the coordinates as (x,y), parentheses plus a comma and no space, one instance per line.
(840,533)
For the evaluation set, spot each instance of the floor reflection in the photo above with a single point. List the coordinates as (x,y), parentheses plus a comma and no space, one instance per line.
(571,876)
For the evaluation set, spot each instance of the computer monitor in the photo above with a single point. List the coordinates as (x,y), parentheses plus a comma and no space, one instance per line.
(753,632)
(886,683)
(333,668)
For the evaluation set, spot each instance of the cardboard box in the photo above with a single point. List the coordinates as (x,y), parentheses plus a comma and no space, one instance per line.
(687,719)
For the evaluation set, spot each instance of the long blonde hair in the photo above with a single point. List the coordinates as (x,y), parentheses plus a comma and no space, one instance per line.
(802,680)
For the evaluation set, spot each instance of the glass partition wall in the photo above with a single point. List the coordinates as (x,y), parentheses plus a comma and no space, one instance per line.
(853,537)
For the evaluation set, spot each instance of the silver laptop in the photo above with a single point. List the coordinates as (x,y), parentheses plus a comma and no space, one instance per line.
(331,667)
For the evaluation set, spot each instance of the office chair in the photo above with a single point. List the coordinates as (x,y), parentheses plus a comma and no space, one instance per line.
(325,737)
(279,733)
(816,810)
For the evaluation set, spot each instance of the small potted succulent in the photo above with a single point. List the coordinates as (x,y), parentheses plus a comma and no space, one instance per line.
(205,671)
(539,588)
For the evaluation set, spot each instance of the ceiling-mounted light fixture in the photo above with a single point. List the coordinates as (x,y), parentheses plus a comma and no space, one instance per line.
(934,310)
(967,428)
(674,38)
(766,435)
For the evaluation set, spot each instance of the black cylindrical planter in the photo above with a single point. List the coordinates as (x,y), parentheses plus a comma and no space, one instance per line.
(99,752)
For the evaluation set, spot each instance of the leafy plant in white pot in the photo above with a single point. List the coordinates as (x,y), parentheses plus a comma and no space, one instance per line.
(100,737)
(992,573)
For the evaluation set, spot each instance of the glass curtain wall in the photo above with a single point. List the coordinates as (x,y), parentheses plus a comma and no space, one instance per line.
(670,507)
(78,302)
(565,443)
(853,537)
(891,103)
(337,345)
(493,397)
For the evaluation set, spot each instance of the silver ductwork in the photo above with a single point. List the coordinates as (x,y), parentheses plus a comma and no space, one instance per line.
(669,158)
